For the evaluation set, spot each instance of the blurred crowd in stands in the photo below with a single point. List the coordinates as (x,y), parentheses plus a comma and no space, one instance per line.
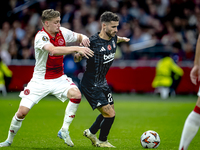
(153,26)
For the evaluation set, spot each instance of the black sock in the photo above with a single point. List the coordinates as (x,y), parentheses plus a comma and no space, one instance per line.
(96,125)
(105,128)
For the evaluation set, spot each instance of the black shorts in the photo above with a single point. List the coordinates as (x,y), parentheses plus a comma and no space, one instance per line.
(98,96)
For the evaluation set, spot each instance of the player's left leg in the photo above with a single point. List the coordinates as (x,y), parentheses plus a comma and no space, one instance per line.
(191,127)
(75,98)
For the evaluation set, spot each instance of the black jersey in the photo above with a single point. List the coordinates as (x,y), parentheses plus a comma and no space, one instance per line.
(98,65)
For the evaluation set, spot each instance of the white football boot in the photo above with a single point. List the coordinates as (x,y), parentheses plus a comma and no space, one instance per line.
(5,144)
(105,144)
(92,137)
(65,136)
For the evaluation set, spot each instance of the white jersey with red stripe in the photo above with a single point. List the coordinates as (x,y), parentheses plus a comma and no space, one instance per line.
(47,66)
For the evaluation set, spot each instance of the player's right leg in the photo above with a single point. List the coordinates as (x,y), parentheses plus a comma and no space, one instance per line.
(108,113)
(25,106)
(191,127)
(74,96)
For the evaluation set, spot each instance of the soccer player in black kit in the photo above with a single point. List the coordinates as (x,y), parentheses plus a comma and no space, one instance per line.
(94,84)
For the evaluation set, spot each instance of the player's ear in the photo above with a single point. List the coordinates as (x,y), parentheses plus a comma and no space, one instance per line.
(103,25)
(46,23)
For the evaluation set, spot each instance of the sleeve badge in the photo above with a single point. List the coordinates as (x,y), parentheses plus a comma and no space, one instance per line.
(45,38)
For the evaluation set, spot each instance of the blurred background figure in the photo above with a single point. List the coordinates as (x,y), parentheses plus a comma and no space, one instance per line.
(5,77)
(168,76)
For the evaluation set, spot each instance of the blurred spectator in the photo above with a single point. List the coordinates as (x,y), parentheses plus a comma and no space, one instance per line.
(178,51)
(189,52)
(68,14)
(134,10)
(6,35)
(172,36)
(92,26)
(13,49)
(169,21)
(19,33)
(125,17)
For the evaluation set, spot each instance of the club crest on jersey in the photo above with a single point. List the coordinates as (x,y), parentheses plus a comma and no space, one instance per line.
(113,43)
(45,38)
(61,41)
(109,47)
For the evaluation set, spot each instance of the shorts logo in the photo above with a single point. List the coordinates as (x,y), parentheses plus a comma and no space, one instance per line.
(98,104)
(27,91)
(109,47)
(44,38)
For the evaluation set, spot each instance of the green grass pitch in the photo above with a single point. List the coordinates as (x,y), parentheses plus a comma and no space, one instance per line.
(135,114)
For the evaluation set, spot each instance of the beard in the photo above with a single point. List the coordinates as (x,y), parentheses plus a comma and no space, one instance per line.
(109,34)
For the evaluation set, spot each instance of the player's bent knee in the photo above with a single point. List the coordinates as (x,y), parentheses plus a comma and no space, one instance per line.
(109,113)
(74,93)
(22,112)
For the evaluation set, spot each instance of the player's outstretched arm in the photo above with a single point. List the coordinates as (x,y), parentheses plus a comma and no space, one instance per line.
(122,39)
(66,50)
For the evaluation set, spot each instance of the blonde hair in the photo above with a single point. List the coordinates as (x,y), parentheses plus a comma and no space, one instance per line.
(49,14)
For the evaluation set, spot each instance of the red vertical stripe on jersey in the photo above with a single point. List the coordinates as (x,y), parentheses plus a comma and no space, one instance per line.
(54,65)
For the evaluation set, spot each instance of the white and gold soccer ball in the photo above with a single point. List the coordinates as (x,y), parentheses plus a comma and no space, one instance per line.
(150,139)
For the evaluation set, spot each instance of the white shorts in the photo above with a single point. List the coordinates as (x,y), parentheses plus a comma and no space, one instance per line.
(198,94)
(38,89)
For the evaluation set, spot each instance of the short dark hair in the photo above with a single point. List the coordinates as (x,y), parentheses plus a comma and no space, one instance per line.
(108,17)
(49,14)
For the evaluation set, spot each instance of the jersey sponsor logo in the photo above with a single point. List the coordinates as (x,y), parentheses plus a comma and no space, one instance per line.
(113,44)
(102,49)
(109,47)
(45,38)
(108,58)
(26,92)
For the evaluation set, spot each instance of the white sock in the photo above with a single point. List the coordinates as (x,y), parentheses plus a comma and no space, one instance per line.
(190,129)
(69,115)
(14,127)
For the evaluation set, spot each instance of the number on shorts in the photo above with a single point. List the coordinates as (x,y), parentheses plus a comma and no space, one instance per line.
(110,97)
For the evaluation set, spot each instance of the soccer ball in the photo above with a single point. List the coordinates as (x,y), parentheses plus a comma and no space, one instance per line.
(150,139)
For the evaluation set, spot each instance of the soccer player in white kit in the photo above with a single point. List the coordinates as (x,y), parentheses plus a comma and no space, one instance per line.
(48,77)
(192,122)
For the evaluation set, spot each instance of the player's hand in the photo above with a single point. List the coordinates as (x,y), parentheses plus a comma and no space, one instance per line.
(195,75)
(122,39)
(85,52)
(85,42)
(125,39)
(77,57)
